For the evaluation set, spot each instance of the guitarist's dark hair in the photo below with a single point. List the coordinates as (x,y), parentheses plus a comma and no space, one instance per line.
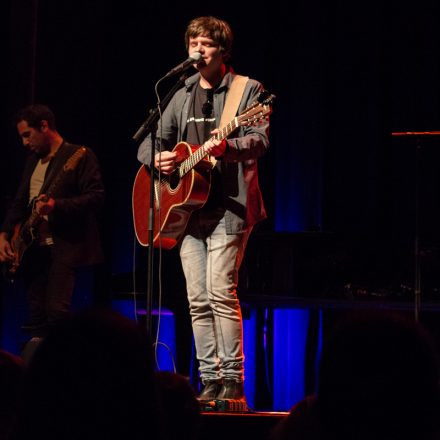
(35,113)
(214,28)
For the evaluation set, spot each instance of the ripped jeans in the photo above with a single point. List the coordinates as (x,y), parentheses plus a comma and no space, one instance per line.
(210,260)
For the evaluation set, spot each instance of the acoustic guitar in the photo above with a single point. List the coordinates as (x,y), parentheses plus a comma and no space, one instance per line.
(179,194)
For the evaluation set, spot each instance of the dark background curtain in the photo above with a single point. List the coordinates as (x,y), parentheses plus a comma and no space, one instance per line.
(346,74)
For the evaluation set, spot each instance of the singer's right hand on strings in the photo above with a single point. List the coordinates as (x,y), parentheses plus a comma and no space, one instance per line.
(165,161)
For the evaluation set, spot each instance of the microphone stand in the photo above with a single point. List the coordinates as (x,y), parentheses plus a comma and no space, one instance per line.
(150,127)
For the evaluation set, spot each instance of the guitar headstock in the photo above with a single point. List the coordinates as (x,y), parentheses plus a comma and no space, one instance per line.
(265,97)
(73,160)
(259,111)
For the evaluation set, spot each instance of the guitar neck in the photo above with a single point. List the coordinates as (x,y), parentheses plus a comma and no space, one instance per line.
(50,192)
(195,158)
(34,219)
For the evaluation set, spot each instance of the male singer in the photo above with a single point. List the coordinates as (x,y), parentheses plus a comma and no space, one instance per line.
(213,245)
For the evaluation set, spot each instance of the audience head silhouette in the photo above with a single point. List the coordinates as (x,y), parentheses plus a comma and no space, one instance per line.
(91,377)
(11,373)
(379,378)
(181,409)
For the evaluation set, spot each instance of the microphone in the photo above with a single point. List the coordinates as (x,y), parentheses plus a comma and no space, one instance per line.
(193,58)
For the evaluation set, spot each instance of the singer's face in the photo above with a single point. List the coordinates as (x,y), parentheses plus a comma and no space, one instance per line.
(212,58)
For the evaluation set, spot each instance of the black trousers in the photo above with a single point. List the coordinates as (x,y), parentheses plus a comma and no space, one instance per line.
(49,285)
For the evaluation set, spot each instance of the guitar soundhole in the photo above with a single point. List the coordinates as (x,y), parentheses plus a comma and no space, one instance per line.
(174,180)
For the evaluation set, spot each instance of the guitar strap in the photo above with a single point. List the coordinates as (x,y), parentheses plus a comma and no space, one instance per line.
(233,99)
(55,170)
(232,103)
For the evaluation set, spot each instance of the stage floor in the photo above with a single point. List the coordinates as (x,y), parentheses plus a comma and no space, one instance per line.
(255,425)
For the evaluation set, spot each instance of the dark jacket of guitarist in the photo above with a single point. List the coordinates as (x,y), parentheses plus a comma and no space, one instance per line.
(72,223)
(62,201)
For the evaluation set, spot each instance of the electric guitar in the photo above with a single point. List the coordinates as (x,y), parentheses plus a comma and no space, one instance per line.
(25,233)
(186,189)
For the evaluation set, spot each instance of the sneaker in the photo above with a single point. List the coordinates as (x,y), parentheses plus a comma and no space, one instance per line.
(210,390)
(231,389)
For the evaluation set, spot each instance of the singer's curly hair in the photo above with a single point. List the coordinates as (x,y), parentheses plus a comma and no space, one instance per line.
(214,28)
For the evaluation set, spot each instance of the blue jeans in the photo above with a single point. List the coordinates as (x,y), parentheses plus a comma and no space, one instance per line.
(211,259)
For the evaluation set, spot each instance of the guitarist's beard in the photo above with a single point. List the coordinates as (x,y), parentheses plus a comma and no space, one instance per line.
(42,152)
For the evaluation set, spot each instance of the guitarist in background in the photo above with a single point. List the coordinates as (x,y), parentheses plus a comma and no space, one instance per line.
(216,235)
(67,232)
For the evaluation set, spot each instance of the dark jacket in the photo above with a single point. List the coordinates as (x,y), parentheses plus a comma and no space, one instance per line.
(77,200)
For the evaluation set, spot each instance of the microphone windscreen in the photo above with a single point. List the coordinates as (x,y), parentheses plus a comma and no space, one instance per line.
(196,56)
